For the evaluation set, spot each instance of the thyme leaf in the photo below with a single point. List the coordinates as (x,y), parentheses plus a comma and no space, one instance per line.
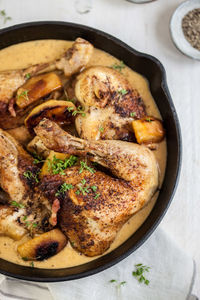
(57,165)
(118,66)
(139,273)
(64,188)
(86,167)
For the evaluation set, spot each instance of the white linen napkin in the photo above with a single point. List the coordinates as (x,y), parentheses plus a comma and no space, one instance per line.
(171,277)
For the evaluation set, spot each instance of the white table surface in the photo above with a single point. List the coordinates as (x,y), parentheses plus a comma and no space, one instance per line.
(145,27)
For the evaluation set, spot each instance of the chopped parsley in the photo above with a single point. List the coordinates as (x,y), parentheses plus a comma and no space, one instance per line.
(119,66)
(30,175)
(28,75)
(24,95)
(122,92)
(57,165)
(17,204)
(64,188)
(139,273)
(3,15)
(80,110)
(86,167)
(133,114)
(101,129)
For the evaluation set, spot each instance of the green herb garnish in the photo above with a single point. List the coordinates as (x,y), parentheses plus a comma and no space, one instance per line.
(34,225)
(133,114)
(30,175)
(139,273)
(148,120)
(96,196)
(113,280)
(25,258)
(94,188)
(24,95)
(119,66)
(70,108)
(122,92)
(80,110)
(119,284)
(37,159)
(58,165)
(32,264)
(83,189)
(64,188)
(86,167)
(3,14)
(28,75)
(17,204)
(101,129)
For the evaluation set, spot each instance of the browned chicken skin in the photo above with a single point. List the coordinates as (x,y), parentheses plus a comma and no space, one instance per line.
(92,219)
(18,177)
(110,103)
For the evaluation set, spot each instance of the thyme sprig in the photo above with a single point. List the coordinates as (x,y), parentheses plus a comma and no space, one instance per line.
(80,110)
(57,165)
(4,16)
(139,273)
(86,167)
(64,188)
(30,175)
(24,95)
(119,67)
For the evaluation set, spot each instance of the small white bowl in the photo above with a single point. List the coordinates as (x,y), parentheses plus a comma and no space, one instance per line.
(177,32)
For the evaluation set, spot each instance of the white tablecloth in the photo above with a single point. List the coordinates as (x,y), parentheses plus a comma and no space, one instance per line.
(146,28)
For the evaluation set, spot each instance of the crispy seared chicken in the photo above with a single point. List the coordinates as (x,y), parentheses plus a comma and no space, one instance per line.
(93,211)
(71,62)
(19,179)
(110,105)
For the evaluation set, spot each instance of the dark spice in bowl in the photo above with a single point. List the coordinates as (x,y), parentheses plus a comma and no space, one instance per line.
(191,27)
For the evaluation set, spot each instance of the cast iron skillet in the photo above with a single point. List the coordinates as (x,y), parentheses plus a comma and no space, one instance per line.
(153,70)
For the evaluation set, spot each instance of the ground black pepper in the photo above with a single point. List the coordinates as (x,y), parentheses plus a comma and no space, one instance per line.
(191,27)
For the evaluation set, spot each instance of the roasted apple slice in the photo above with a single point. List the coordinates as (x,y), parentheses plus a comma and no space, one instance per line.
(36,88)
(148,130)
(59,111)
(44,246)
(51,160)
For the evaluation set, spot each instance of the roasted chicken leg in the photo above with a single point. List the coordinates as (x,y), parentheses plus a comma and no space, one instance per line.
(110,105)
(19,178)
(97,205)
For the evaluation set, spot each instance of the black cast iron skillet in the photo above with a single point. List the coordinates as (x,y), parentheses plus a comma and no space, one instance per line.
(153,70)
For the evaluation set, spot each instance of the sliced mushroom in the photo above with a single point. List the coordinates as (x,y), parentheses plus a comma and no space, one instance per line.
(59,111)
(36,88)
(43,246)
(148,130)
